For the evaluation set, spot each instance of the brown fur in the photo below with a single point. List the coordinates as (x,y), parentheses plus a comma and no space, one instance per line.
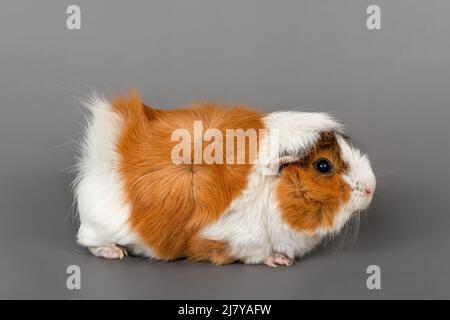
(307,199)
(171,203)
(209,250)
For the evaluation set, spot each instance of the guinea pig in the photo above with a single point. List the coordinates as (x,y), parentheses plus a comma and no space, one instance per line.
(145,184)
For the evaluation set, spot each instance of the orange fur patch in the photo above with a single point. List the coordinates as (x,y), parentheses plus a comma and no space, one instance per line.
(170,202)
(307,199)
(209,250)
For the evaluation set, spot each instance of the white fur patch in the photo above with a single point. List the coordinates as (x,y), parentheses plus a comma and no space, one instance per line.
(99,192)
(299,131)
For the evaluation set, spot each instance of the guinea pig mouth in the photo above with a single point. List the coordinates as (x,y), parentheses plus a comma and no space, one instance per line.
(359,202)
(364,203)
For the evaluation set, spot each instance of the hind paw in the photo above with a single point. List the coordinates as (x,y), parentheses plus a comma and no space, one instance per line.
(109,252)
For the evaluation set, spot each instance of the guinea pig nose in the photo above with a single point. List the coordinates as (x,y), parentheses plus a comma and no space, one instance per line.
(368,191)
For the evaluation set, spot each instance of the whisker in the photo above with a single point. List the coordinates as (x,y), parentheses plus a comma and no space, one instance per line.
(357,225)
(379,175)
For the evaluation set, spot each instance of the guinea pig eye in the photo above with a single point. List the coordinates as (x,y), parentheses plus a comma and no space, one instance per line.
(323,166)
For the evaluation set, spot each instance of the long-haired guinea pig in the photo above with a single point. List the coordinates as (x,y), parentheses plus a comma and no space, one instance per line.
(146,186)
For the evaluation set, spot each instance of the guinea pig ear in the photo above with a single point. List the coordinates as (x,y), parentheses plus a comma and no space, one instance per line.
(273,167)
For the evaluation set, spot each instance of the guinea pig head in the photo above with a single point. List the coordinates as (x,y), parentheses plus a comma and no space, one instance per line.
(321,191)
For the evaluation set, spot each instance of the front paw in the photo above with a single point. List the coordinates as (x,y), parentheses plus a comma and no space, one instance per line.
(278,259)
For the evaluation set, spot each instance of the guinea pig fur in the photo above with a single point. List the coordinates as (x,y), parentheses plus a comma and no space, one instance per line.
(132,197)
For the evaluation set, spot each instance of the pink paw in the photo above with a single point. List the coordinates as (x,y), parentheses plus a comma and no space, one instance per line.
(109,252)
(278,260)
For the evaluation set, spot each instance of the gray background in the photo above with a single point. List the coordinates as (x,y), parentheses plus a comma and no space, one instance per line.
(390,87)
